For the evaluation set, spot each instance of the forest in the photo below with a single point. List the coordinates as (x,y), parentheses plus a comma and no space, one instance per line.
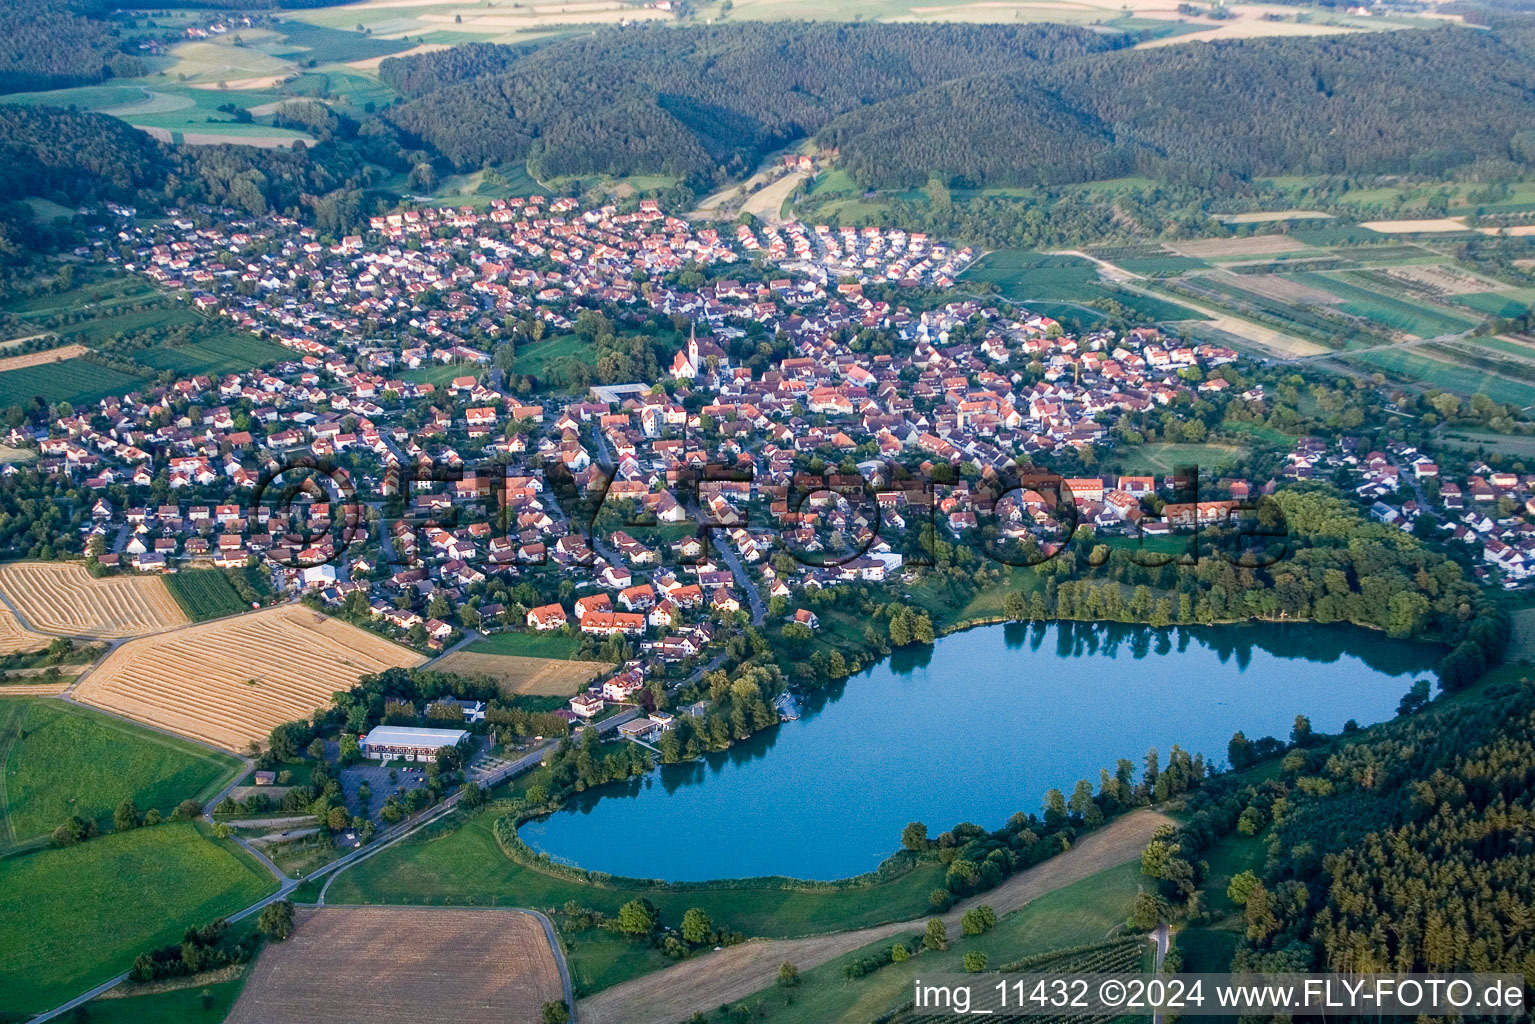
(975,106)
(702,103)
(1401,849)
(52,44)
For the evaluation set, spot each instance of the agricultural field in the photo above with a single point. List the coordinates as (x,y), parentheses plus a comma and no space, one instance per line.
(528,643)
(74,917)
(58,760)
(228,682)
(1025,277)
(216,355)
(1437,372)
(77,381)
(15,637)
(534,677)
(205,594)
(469,966)
(63,598)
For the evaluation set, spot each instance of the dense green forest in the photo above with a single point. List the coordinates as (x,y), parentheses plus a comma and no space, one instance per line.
(702,103)
(1388,102)
(976,105)
(49,44)
(1402,849)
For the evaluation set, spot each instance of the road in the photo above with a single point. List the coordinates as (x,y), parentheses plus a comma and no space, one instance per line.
(714,979)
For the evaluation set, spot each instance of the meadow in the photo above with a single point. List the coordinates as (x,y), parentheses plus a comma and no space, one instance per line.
(178,1006)
(58,759)
(205,594)
(1029,277)
(73,917)
(530,644)
(461,864)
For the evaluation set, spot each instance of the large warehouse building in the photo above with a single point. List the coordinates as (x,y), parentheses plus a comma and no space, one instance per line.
(388,742)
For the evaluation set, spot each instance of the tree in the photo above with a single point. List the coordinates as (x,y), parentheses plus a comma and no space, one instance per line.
(937,937)
(914,837)
(187,810)
(696,926)
(638,917)
(1300,735)
(975,963)
(978,920)
(1239,752)
(317,749)
(73,830)
(554,1012)
(899,953)
(1149,910)
(126,817)
(1241,887)
(788,975)
(276,920)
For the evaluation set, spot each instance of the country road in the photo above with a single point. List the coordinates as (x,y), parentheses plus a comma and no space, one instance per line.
(711,980)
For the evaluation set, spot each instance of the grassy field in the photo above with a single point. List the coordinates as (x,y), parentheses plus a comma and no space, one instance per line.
(74,917)
(465,867)
(58,759)
(535,358)
(1164,457)
(1033,276)
(196,1004)
(530,644)
(1078,914)
(204,594)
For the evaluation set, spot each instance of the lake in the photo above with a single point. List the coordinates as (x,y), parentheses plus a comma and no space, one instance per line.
(975,727)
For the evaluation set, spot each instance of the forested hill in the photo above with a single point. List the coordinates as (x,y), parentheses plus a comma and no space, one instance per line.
(1388,102)
(976,104)
(691,102)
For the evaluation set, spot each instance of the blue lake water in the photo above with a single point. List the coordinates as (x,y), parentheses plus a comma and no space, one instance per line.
(972,729)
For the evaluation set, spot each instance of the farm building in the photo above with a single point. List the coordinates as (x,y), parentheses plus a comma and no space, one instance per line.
(387,742)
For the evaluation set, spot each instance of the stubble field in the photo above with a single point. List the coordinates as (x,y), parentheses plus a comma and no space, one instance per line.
(535,677)
(400,966)
(229,681)
(63,598)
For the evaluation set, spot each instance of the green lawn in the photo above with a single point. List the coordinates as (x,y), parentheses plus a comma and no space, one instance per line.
(599,958)
(59,759)
(439,373)
(72,918)
(465,867)
(530,644)
(1076,915)
(204,593)
(535,358)
(181,1006)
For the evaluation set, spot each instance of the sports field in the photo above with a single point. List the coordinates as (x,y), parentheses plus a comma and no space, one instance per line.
(401,966)
(64,599)
(72,918)
(58,760)
(229,681)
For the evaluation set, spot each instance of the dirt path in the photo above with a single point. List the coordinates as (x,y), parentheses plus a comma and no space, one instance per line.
(705,982)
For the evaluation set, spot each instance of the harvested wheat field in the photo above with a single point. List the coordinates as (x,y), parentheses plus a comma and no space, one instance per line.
(397,965)
(63,598)
(535,677)
(51,355)
(15,637)
(229,681)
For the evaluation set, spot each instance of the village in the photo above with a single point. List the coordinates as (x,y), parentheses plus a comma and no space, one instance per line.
(650,517)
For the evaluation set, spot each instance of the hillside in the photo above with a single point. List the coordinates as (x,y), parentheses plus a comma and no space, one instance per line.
(977,106)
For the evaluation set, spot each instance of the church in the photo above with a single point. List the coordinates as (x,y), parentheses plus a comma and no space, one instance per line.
(693,361)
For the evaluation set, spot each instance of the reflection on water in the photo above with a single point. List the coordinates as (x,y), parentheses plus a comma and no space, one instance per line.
(973,728)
